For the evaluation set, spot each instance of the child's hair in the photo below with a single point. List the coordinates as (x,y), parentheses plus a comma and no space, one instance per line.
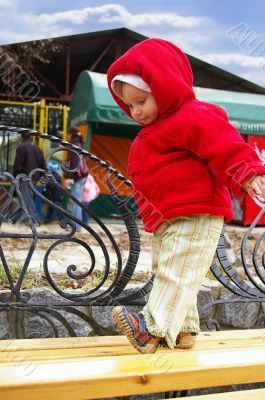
(117,87)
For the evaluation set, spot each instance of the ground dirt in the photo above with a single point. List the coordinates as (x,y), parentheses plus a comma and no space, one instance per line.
(235,235)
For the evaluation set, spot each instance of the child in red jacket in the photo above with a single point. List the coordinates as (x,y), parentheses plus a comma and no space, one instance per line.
(181,163)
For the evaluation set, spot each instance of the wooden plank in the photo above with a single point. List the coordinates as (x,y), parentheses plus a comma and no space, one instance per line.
(55,353)
(254,394)
(231,338)
(54,348)
(236,334)
(62,343)
(92,378)
(58,354)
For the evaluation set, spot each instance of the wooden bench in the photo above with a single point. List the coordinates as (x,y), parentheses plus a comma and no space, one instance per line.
(100,367)
(97,367)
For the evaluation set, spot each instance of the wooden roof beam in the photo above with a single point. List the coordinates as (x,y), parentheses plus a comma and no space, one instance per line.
(104,52)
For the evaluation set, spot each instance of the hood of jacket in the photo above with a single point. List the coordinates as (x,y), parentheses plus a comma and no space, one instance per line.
(164,67)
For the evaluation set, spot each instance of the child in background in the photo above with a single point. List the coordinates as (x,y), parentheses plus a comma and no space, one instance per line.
(54,193)
(78,177)
(182,163)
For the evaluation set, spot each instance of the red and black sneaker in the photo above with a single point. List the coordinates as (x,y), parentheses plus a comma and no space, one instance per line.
(133,326)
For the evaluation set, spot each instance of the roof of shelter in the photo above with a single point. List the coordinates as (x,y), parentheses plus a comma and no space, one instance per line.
(93,103)
(95,51)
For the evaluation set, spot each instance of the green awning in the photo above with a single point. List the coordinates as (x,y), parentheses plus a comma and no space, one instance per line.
(93,103)
(246,111)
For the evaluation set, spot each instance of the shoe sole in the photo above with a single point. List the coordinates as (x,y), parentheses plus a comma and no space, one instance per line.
(124,327)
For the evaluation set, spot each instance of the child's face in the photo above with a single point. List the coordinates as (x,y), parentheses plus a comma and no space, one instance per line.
(142,104)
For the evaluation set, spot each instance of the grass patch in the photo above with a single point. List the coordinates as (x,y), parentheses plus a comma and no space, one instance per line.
(36,279)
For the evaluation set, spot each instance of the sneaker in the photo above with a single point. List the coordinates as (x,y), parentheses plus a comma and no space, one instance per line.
(185,340)
(133,326)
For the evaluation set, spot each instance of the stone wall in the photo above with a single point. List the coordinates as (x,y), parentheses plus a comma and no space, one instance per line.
(44,322)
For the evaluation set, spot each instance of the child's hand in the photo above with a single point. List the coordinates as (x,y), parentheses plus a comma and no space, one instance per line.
(255,186)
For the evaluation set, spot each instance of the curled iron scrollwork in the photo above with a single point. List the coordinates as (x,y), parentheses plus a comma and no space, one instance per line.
(246,285)
(108,289)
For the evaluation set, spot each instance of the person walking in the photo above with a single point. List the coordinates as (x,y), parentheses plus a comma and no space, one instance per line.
(78,177)
(54,193)
(28,157)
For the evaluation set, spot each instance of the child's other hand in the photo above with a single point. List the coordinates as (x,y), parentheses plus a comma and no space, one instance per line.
(255,186)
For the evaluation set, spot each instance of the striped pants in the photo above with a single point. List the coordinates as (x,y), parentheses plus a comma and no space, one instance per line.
(182,252)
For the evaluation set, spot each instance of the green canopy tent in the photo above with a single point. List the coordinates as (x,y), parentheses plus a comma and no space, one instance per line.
(93,103)
(245,110)
(109,131)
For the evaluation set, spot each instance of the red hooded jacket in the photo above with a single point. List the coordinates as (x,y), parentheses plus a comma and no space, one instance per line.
(185,161)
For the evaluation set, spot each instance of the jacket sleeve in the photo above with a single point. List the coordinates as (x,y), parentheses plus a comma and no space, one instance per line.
(212,138)
(19,160)
(42,161)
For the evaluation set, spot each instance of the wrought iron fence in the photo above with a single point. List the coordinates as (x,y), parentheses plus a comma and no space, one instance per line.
(247,286)
(99,294)
(105,291)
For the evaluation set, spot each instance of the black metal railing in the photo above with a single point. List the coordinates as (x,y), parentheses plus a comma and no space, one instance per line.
(248,285)
(104,292)
(98,295)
